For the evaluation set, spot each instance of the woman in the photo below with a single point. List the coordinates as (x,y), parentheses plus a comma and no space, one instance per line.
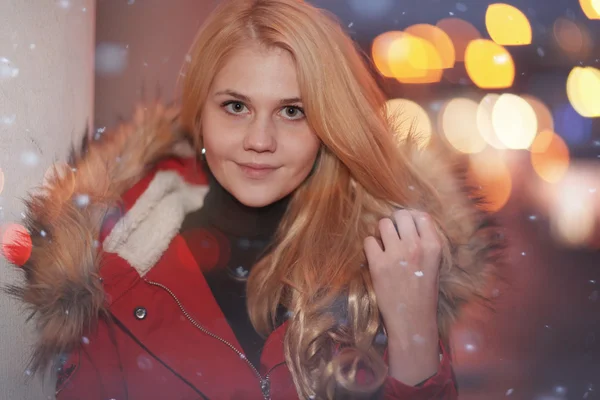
(306,270)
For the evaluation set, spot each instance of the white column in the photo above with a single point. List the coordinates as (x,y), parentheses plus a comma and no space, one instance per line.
(46,100)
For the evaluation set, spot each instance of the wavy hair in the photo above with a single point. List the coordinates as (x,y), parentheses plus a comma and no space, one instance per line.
(317,267)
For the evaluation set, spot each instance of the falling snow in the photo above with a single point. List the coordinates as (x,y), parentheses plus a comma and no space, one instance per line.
(7,69)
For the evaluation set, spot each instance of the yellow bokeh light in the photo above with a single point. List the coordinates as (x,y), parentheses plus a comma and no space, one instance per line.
(489,171)
(542,113)
(1,180)
(507,25)
(583,91)
(591,8)
(484,121)
(489,65)
(549,156)
(410,117)
(460,32)
(414,60)
(514,121)
(458,120)
(380,51)
(438,38)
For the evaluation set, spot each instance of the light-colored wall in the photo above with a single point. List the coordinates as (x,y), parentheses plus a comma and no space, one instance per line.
(141,45)
(46,97)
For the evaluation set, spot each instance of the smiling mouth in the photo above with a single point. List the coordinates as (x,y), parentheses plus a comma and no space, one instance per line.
(257,171)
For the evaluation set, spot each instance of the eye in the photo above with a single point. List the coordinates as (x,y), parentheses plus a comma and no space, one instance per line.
(234,107)
(293,112)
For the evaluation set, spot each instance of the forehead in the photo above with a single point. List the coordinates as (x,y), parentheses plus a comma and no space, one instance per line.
(259,73)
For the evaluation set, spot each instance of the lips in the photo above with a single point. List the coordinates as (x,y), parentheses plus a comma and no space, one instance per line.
(257,171)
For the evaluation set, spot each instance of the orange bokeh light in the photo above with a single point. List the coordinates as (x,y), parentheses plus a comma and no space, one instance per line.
(380,51)
(489,170)
(507,25)
(439,39)
(549,156)
(460,32)
(489,65)
(572,37)
(412,59)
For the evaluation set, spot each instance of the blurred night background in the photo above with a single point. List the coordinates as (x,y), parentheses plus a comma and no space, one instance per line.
(516,86)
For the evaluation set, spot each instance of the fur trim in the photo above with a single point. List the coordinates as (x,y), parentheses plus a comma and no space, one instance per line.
(144,233)
(62,286)
(473,269)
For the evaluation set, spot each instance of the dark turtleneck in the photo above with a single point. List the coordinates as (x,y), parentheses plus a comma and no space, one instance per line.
(227,238)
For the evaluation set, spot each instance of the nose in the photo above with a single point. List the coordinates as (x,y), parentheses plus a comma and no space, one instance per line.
(260,136)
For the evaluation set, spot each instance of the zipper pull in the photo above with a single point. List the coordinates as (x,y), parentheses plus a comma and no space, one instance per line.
(265,387)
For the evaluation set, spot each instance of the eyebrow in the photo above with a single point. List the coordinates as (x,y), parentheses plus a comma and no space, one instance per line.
(242,97)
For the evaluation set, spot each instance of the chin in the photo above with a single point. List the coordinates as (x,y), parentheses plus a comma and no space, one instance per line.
(252,198)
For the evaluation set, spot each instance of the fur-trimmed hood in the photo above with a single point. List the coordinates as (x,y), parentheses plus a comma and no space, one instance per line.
(62,285)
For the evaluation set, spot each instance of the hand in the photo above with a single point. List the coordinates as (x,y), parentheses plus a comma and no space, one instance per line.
(405,276)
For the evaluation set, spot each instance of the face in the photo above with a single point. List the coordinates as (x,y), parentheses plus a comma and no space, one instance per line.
(258,143)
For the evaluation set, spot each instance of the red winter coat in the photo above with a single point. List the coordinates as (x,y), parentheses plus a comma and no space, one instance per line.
(106,248)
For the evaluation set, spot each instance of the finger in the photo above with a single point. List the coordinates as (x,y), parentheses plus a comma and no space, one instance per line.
(406,226)
(372,249)
(425,226)
(430,238)
(389,234)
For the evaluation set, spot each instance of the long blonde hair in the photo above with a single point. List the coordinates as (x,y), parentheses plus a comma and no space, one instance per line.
(317,267)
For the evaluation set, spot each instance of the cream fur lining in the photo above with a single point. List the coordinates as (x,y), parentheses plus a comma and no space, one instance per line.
(146,230)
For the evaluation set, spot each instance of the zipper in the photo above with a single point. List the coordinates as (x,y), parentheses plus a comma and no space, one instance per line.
(265,383)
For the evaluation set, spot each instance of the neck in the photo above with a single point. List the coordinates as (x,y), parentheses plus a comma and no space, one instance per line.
(230,216)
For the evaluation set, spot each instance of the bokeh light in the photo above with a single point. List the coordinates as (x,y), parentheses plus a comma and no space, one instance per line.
(380,51)
(514,121)
(460,32)
(507,25)
(484,121)
(583,91)
(414,60)
(410,116)
(458,121)
(489,171)
(591,8)
(572,38)
(573,214)
(16,243)
(439,39)
(549,156)
(489,65)
(111,59)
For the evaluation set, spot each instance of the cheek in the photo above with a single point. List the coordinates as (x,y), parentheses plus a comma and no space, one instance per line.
(310,148)
(215,141)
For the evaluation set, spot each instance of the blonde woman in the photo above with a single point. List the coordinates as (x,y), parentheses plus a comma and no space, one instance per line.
(266,239)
